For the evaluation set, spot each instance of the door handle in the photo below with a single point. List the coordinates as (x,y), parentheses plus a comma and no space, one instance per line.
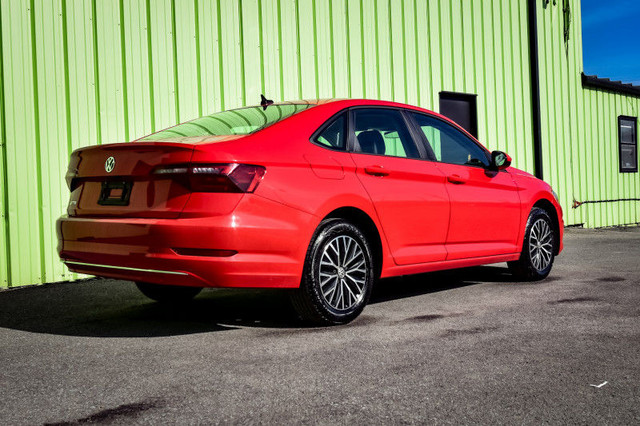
(376,171)
(456,179)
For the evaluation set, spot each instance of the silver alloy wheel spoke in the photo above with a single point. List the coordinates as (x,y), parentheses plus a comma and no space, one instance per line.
(540,245)
(342,273)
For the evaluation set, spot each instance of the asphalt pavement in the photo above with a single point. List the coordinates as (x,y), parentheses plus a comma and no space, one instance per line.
(457,347)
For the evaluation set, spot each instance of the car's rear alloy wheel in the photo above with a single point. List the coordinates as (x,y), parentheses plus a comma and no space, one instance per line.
(338,275)
(536,258)
(168,293)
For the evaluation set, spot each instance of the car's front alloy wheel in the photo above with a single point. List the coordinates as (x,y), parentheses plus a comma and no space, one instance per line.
(338,275)
(538,250)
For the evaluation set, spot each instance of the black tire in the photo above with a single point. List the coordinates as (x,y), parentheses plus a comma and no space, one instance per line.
(169,294)
(536,258)
(331,276)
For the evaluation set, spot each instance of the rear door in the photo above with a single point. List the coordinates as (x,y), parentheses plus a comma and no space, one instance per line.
(485,204)
(408,191)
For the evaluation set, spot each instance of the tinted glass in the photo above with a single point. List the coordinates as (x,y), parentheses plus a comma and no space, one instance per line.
(628,144)
(242,121)
(628,157)
(383,132)
(450,145)
(627,131)
(334,135)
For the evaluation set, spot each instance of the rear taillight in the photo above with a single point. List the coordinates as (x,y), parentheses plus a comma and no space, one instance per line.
(215,177)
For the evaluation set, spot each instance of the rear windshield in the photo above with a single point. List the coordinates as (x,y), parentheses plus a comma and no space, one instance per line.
(242,121)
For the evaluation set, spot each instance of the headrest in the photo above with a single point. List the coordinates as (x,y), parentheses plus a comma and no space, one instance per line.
(371,142)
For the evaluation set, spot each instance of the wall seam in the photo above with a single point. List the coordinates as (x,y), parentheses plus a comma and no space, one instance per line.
(96,71)
(123,56)
(391,65)
(220,62)
(37,136)
(504,72)
(416,50)
(315,48)
(375,26)
(362,58)
(261,43)
(243,87)
(174,47)
(196,17)
(332,50)
(3,155)
(67,94)
(280,52)
(299,56)
(348,43)
(152,110)
(404,53)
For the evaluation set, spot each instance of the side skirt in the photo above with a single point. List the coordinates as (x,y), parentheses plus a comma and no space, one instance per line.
(451,264)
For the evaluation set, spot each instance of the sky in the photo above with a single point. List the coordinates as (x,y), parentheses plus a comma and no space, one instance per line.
(611,37)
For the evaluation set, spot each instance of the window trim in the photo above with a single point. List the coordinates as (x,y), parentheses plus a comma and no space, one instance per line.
(468,135)
(328,122)
(424,155)
(635,143)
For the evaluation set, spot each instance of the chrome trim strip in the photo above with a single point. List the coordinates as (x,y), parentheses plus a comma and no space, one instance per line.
(125,268)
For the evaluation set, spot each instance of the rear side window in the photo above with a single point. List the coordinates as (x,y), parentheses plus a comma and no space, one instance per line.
(383,132)
(334,135)
(241,121)
(450,145)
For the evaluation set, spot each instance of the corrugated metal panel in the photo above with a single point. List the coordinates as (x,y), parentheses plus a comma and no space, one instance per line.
(77,73)
(4,236)
(580,129)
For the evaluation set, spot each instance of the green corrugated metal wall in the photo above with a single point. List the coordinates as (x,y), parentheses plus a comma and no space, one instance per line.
(580,128)
(80,72)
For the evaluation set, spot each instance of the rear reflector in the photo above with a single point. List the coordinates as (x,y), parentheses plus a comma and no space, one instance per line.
(232,177)
(204,252)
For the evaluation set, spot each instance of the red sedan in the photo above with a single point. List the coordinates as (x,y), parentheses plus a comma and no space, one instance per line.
(323,197)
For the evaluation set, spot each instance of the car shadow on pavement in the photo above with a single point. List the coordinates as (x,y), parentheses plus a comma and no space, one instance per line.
(415,285)
(113,308)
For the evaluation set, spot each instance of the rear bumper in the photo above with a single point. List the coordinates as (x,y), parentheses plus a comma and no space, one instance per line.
(270,240)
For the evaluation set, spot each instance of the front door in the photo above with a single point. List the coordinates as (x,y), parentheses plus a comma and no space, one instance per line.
(485,205)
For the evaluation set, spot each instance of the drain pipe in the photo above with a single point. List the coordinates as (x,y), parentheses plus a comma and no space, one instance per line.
(535,88)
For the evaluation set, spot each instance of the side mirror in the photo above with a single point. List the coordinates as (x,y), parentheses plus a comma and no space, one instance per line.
(499,160)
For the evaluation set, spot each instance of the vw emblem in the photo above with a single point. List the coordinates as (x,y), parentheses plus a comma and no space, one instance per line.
(109,164)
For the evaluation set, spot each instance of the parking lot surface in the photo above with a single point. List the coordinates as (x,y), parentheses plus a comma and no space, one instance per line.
(466,346)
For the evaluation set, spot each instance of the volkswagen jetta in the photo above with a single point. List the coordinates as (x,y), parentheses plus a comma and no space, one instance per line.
(323,197)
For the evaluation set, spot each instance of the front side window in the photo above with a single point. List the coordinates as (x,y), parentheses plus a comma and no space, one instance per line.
(450,145)
(628,136)
(241,121)
(334,135)
(383,132)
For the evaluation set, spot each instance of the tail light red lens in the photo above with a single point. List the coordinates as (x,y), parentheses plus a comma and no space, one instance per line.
(231,177)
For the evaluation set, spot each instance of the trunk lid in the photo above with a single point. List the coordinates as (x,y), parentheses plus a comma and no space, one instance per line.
(118,180)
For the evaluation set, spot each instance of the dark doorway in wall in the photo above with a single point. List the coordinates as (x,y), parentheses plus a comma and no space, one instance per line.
(461,108)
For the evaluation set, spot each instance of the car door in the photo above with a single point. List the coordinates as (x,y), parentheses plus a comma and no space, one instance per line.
(407,191)
(485,204)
